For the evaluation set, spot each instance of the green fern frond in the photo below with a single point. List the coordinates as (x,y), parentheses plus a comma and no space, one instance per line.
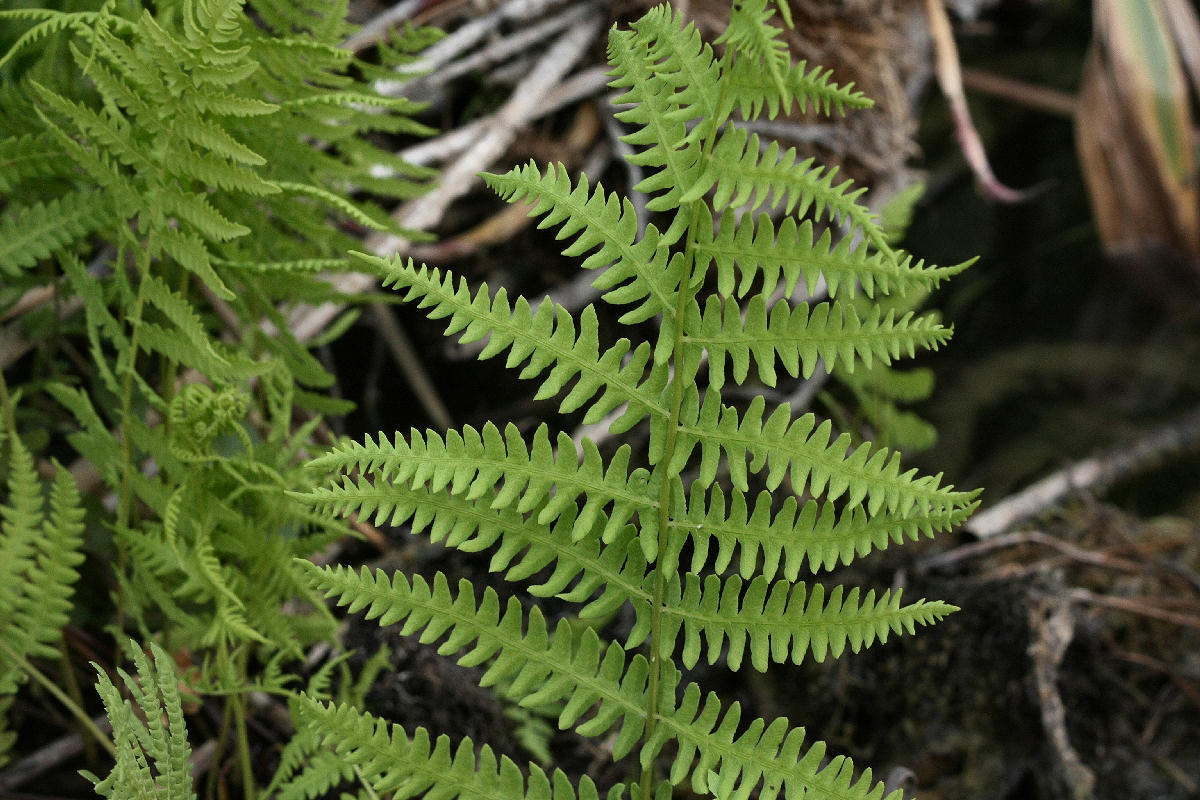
(754,39)
(541,339)
(786,539)
(745,174)
(684,61)
(475,463)
(754,89)
(39,553)
(541,667)
(799,335)
(391,761)
(788,253)
(536,665)
(779,621)
(655,104)
(638,271)
(40,544)
(51,22)
(607,533)
(28,156)
(152,735)
(34,233)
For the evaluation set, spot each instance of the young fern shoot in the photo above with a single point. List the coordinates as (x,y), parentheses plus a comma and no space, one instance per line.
(604,532)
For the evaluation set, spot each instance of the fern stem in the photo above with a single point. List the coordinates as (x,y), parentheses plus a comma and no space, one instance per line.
(76,693)
(125,497)
(664,504)
(243,744)
(76,710)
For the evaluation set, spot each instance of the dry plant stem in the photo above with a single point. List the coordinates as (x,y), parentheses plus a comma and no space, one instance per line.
(49,756)
(402,351)
(49,685)
(425,212)
(949,75)
(583,84)
(1019,538)
(1142,606)
(1054,628)
(1092,475)
(1020,93)
(465,38)
(525,40)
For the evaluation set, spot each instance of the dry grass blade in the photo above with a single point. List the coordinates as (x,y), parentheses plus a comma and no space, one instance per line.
(1133,129)
(949,76)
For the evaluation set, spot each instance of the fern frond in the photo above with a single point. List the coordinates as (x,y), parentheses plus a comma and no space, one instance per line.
(638,271)
(754,40)
(768,757)
(28,156)
(746,174)
(815,533)
(779,621)
(49,23)
(542,667)
(473,463)
(39,553)
(799,335)
(602,577)
(536,665)
(155,733)
(35,232)
(754,89)
(788,253)
(655,105)
(545,338)
(802,451)
(684,61)
(391,761)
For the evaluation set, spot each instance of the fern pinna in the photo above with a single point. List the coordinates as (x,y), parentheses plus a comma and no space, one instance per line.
(710,567)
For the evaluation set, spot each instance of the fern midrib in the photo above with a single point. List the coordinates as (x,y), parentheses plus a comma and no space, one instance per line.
(686,292)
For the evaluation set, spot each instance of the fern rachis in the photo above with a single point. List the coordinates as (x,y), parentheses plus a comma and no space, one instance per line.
(606,532)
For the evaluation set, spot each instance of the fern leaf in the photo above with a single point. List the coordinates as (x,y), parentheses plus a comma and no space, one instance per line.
(768,542)
(195,208)
(756,41)
(474,462)
(351,210)
(153,734)
(391,761)
(51,22)
(638,271)
(798,335)
(745,174)
(189,251)
(536,665)
(780,621)
(39,553)
(768,757)
(789,253)
(223,104)
(545,667)
(35,232)
(545,338)
(754,89)
(603,577)
(28,156)
(655,113)
(802,451)
(682,59)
